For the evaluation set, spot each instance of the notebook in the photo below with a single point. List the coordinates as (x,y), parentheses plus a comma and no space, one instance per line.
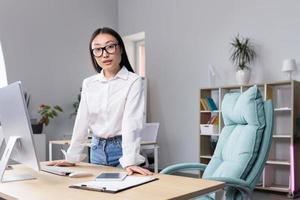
(114,186)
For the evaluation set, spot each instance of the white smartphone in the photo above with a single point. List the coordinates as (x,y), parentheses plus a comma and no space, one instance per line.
(111,176)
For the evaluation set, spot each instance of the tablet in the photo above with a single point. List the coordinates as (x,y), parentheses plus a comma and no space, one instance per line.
(111,176)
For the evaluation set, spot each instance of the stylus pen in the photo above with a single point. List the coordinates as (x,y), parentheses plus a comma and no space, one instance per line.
(101,189)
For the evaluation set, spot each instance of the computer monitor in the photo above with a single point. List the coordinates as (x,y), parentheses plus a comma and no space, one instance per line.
(17,131)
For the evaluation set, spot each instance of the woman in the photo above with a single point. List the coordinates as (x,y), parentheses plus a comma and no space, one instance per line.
(112,106)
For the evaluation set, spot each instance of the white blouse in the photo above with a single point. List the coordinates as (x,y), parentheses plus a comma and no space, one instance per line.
(110,108)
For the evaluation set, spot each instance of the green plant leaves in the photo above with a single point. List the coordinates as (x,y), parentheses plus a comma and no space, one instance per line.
(243,52)
(47,113)
(58,108)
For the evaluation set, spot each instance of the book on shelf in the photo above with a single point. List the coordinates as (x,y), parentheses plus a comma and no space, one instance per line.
(211,104)
(213,120)
(204,104)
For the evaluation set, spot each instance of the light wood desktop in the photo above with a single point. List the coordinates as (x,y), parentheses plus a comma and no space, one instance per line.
(88,143)
(49,186)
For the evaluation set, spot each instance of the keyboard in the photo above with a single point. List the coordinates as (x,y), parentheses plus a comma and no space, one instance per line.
(61,171)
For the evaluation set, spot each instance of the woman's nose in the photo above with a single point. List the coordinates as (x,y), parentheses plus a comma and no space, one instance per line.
(105,54)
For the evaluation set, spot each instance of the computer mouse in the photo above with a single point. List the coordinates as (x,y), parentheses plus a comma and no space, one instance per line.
(80,174)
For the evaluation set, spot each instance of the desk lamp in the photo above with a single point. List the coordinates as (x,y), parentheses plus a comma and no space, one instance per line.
(289,65)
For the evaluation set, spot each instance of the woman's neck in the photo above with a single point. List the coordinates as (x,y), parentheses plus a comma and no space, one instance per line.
(109,74)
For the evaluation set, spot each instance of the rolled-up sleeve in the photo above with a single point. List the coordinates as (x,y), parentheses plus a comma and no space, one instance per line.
(80,131)
(132,124)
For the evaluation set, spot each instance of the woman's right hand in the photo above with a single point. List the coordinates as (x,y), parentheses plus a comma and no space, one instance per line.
(61,163)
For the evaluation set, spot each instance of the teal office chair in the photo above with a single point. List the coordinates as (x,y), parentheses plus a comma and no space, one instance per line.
(243,145)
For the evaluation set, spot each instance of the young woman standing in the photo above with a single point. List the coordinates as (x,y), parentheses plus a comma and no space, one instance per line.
(111,106)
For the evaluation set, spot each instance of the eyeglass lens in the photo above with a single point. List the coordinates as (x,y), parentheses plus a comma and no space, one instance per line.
(110,49)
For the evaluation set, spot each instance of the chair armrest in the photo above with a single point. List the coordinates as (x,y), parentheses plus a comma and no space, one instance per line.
(183,166)
(230,180)
(239,184)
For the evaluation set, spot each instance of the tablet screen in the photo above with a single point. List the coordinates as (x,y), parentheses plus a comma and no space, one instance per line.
(111,176)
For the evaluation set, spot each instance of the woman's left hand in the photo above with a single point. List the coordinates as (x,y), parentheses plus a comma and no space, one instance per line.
(132,169)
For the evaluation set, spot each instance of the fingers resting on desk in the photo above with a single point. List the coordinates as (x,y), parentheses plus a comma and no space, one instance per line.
(61,163)
(136,169)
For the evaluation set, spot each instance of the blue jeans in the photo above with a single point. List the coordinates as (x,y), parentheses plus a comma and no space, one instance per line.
(106,151)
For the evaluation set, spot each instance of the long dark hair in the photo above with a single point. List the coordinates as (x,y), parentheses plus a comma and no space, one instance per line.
(124,58)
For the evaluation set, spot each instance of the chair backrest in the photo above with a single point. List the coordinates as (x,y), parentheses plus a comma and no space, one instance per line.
(238,145)
(245,140)
(257,169)
(149,132)
(240,141)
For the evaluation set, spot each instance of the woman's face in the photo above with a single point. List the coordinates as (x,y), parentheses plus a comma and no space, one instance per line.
(107,52)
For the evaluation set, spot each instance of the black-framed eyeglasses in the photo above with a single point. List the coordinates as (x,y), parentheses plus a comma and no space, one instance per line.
(110,49)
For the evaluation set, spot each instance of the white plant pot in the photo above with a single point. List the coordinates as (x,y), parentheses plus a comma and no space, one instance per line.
(243,76)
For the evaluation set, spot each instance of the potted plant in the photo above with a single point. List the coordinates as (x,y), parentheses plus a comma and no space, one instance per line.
(47,112)
(243,54)
(76,104)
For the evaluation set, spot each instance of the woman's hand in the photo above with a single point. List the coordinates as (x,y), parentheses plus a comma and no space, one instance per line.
(61,163)
(132,169)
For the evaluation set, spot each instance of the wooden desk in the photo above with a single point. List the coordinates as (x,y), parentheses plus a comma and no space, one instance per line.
(49,186)
(143,143)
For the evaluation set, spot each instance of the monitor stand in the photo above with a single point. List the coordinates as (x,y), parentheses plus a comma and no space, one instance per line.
(13,140)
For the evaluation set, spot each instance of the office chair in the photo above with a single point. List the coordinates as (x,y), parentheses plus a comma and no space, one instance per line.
(148,135)
(243,146)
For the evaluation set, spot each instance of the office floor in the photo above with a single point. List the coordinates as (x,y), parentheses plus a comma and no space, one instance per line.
(259,195)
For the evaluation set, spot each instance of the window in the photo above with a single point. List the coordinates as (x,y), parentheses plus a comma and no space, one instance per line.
(135,48)
(3,78)
(140,57)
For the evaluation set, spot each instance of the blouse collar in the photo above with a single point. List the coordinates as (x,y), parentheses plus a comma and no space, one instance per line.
(122,73)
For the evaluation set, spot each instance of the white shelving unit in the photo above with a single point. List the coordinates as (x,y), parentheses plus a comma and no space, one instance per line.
(281,167)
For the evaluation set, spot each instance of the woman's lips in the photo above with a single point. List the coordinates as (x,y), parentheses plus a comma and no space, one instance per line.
(107,62)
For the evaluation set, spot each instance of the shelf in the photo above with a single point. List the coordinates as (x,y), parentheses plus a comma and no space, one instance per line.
(286,102)
(282,136)
(209,134)
(282,109)
(206,156)
(278,188)
(210,111)
(278,162)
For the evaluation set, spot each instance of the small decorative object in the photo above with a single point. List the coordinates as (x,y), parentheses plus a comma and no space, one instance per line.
(289,65)
(243,54)
(47,113)
(212,75)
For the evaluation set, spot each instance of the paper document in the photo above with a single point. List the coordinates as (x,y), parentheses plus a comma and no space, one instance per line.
(114,186)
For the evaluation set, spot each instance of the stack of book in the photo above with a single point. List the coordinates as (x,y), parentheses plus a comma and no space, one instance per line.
(208,103)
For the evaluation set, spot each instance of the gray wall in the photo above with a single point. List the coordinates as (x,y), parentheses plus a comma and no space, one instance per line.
(184,37)
(45,45)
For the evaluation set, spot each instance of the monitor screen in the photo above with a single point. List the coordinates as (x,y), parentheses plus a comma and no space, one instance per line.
(15,123)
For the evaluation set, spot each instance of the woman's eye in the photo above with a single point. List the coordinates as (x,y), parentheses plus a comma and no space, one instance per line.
(110,46)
